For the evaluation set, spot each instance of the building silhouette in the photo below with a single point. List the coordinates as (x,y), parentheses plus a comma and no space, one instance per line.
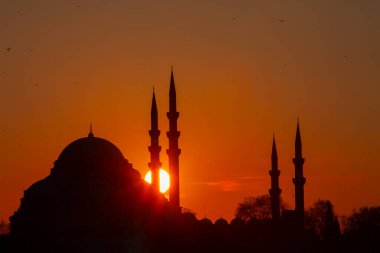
(275,190)
(297,215)
(92,196)
(94,201)
(173,151)
(154,147)
(299,180)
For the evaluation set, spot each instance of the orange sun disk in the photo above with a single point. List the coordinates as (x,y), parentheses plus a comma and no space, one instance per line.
(164,180)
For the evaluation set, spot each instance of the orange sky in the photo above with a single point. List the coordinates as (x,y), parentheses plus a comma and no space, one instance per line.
(240,74)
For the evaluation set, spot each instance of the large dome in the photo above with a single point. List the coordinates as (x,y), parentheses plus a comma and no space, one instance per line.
(90,148)
(95,159)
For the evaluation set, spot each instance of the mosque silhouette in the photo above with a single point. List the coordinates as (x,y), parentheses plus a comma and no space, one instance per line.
(93,200)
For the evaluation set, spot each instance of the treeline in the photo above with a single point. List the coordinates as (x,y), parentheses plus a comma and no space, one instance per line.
(4,236)
(253,230)
(357,232)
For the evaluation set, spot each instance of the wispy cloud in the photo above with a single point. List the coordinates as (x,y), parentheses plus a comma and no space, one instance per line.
(237,183)
(225,185)
(251,178)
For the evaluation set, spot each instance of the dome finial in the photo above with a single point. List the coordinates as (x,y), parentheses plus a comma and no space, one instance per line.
(90,134)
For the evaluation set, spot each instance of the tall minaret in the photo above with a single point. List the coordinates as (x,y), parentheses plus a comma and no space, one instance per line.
(299,179)
(173,151)
(275,190)
(154,147)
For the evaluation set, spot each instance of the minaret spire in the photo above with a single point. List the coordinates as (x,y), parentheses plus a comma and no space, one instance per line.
(274,155)
(275,190)
(173,151)
(90,134)
(154,147)
(299,180)
(172,94)
(154,113)
(298,144)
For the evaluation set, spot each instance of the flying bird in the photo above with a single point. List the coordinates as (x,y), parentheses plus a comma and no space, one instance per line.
(9,49)
(281,20)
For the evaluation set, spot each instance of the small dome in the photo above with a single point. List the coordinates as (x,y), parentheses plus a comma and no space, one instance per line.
(237,222)
(205,222)
(221,222)
(189,217)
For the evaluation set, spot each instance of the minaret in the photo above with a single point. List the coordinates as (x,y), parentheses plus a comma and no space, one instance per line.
(154,147)
(299,179)
(173,151)
(275,190)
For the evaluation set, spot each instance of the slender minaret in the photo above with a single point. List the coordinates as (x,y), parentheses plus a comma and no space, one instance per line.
(275,190)
(173,151)
(154,147)
(299,179)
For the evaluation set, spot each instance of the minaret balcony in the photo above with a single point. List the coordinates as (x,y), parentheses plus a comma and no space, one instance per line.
(173,115)
(175,152)
(275,192)
(154,133)
(298,161)
(299,181)
(173,134)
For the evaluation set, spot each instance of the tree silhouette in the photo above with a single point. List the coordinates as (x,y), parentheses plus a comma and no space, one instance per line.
(321,219)
(256,207)
(366,220)
(362,230)
(4,228)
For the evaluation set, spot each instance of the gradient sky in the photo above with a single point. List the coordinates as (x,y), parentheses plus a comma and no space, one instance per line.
(241,74)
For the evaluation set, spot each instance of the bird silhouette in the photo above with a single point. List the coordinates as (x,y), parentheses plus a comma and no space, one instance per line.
(281,20)
(9,49)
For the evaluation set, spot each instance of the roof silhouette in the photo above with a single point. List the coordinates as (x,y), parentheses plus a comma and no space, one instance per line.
(90,148)
(93,191)
(221,222)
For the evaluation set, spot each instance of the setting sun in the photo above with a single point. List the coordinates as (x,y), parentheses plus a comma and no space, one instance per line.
(164,180)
